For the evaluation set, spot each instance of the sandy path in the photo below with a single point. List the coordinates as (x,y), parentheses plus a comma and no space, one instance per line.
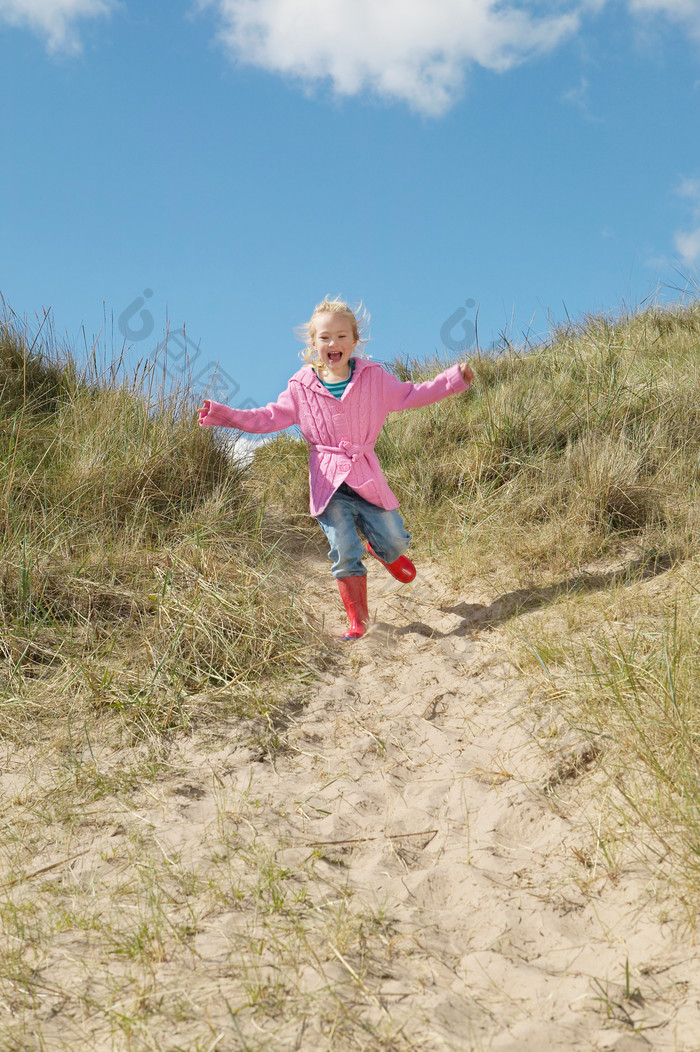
(422,773)
(416,865)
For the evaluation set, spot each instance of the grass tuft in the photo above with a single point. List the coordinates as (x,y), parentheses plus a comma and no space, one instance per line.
(135,572)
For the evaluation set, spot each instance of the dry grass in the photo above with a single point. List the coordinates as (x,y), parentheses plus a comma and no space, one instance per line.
(136,570)
(569,450)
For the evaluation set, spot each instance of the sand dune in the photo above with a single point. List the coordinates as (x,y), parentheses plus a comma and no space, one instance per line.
(416,864)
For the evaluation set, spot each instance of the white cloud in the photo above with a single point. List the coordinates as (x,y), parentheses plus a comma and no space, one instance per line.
(415,51)
(578,97)
(53,19)
(687,242)
(684,11)
(689,188)
(688,245)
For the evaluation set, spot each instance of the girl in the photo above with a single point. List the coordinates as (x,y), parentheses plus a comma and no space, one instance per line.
(340,402)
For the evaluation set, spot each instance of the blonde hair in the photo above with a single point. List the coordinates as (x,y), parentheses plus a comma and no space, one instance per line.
(357,317)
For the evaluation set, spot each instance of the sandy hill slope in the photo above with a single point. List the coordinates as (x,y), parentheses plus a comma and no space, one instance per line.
(411,859)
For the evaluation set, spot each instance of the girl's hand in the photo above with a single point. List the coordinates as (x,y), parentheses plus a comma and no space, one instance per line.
(467,373)
(203,411)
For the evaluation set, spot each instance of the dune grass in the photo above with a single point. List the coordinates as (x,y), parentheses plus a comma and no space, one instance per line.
(569,450)
(136,571)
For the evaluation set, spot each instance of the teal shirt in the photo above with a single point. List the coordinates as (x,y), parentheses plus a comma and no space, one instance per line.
(337,389)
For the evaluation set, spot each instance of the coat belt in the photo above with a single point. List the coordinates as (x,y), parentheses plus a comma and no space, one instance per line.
(346,449)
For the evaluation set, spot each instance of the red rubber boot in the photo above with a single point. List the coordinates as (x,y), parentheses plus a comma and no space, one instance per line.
(402,568)
(353,592)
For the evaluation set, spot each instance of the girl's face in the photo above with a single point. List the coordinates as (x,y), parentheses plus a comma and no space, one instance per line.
(334,341)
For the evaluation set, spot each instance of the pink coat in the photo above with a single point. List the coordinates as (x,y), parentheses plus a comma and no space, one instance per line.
(341,432)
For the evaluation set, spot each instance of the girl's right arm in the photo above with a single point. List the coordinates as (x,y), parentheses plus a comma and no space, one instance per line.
(273,417)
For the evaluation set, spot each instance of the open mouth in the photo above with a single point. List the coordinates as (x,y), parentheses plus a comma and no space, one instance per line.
(335,356)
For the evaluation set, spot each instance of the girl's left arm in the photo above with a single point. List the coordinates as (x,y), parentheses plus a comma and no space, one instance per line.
(407,395)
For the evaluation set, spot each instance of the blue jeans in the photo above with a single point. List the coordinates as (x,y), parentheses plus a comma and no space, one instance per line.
(346,513)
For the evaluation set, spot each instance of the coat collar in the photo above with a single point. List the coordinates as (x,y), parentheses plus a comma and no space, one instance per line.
(308,378)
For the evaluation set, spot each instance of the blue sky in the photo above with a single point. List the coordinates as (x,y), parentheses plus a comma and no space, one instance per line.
(240,159)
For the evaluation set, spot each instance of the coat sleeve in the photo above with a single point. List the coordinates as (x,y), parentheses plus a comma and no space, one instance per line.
(275,416)
(407,395)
